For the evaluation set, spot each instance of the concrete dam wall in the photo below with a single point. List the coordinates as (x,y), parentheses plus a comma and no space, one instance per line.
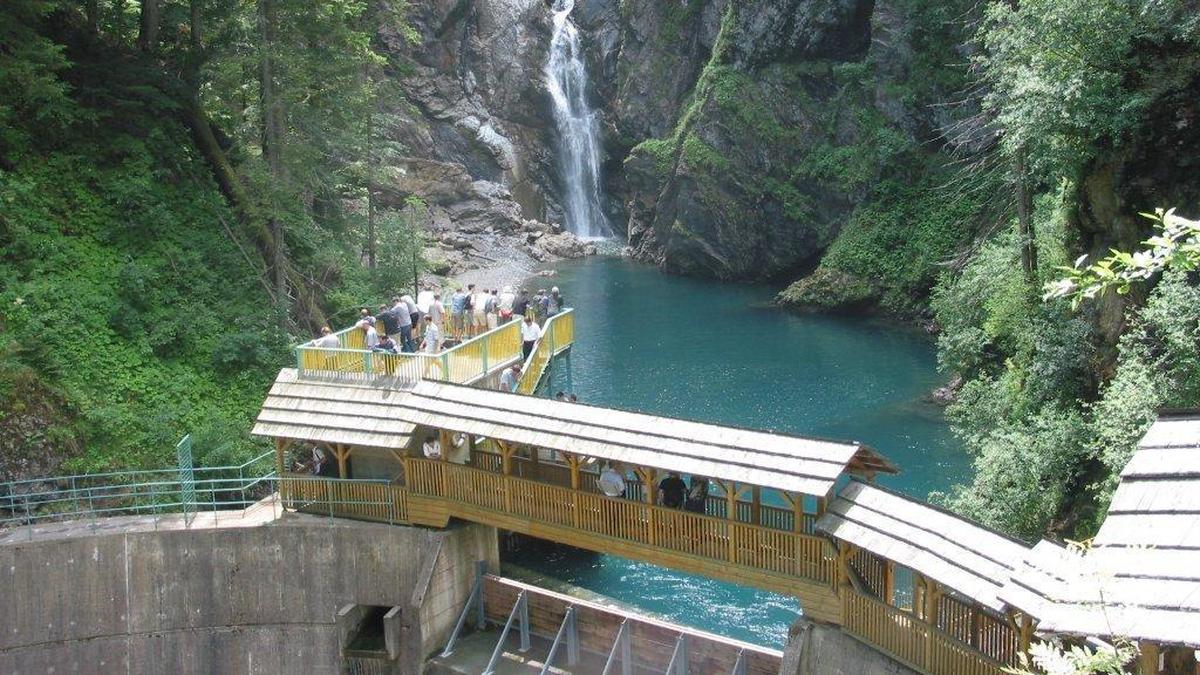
(135,595)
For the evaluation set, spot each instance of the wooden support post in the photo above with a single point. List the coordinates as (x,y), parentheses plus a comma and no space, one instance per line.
(845,550)
(889,582)
(933,595)
(976,627)
(756,505)
(822,505)
(506,453)
(731,493)
(1147,658)
(648,475)
(573,462)
(446,440)
(535,465)
(281,446)
(471,449)
(1026,633)
(341,453)
(797,501)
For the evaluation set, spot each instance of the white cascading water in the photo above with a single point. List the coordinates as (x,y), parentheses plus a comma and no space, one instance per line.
(579,137)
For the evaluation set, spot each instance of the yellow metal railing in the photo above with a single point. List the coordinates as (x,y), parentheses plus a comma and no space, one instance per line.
(471,361)
(557,335)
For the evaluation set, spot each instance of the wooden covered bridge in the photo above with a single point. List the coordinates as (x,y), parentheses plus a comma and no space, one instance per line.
(798,516)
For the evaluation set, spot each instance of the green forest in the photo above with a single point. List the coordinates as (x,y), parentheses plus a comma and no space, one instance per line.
(184,190)
(189,187)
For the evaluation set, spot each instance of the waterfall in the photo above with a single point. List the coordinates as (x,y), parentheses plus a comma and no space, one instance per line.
(579,138)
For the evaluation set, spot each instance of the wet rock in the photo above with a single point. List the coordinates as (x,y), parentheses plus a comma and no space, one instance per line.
(561,245)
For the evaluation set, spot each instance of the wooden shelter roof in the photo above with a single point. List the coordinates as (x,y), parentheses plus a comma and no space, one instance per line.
(969,558)
(332,412)
(790,463)
(1141,578)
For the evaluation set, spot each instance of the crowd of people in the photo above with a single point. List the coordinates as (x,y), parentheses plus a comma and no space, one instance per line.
(430,323)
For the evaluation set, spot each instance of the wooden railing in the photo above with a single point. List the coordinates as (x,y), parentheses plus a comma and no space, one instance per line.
(368,500)
(911,640)
(471,361)
(718,539)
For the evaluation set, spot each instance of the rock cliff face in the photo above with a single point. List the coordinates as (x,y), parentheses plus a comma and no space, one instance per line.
(740,136)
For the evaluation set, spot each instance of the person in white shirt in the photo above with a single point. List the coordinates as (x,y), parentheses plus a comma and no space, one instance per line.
(530,334)
(478,313)
(436,311)
(510,378)
(328,340)
(610,482)
(433,337)
(432,447)
(372,337)
(424,298)
(507,298)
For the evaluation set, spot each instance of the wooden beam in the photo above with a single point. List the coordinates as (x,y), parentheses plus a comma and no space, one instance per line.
(573,462)
(889,582)
(506,453)
(756,505)
(342,453)
(281,446)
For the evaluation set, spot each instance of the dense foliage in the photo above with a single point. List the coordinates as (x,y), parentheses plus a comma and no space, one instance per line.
(1050,408)
(184,189)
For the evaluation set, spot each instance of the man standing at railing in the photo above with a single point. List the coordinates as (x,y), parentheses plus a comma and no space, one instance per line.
(458,312)
(399,316)
(479,312)
(433,337)
(530,334)
(491,307)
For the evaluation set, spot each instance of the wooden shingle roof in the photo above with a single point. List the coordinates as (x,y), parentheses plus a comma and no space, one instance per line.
(790,463)
(331,412)
(1141,578)
(967,557)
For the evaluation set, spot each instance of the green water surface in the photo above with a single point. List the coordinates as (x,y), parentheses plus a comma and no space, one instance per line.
(720,353)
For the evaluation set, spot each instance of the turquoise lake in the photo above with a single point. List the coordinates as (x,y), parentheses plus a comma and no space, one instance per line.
(720,352)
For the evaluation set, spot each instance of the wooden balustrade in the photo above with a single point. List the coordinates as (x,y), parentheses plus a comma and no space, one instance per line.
(911,640)
(871,570)
(355,499)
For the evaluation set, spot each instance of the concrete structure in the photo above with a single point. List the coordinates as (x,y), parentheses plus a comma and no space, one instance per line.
(257,594)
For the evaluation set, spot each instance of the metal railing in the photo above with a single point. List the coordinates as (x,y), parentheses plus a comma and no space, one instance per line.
(557,335)
(214,490)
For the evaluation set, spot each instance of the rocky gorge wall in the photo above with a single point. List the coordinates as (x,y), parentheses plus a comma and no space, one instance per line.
(740,137)
(763,140)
